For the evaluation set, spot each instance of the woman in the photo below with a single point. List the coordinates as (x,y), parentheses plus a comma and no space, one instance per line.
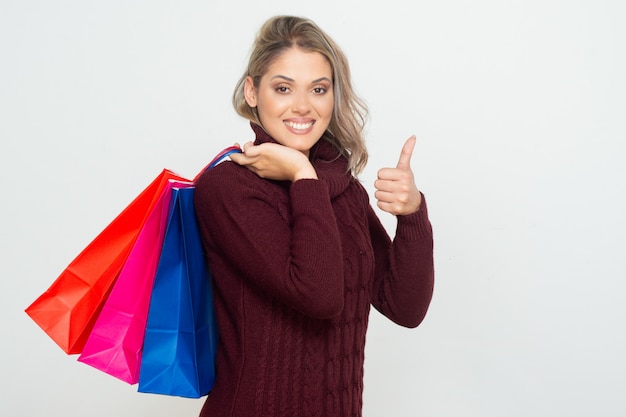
(297,252)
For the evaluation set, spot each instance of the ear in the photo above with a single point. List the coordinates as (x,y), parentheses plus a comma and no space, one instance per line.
(249,92)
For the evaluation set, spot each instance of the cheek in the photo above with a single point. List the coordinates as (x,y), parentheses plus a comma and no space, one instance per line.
(328,107)
(272,105)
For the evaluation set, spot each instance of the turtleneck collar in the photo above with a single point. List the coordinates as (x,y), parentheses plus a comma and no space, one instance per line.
(330,165)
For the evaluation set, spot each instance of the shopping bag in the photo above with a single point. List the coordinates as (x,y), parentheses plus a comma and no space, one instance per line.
(181,334)
(115,342)
(67,310)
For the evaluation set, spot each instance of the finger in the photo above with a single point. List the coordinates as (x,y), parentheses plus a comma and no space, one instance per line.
(247,146)
(395,191)
(251,150)
(388,207)
(246,156)
(385,185)
(407,151)
(384,196)
(238,158)
(395,174)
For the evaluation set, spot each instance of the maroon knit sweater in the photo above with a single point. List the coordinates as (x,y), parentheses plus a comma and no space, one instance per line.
(295,270)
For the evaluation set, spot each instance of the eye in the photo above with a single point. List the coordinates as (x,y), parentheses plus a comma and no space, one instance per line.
(319,90)
(283,89)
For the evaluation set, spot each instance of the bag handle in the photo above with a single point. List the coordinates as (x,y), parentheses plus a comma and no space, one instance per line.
(219,157)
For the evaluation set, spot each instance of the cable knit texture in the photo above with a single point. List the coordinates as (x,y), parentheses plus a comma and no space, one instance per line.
(295,270)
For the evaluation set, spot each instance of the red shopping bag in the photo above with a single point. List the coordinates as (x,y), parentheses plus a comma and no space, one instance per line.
(67,310)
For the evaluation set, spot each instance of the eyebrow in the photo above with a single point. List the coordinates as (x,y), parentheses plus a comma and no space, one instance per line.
(284,77)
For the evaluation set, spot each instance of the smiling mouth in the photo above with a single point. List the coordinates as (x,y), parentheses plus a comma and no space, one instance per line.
(299,126)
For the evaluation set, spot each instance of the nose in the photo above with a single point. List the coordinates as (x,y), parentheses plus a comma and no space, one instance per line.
(301,103)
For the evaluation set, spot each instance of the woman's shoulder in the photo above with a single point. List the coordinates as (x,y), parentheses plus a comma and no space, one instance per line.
(228,178)
(225,175)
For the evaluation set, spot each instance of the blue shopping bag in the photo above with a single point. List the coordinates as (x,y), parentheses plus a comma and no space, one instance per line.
(181,334)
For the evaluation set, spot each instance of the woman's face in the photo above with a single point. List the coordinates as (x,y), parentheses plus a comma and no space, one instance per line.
(294,99)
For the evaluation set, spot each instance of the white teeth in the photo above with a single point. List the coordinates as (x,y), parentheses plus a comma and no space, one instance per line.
(299,126)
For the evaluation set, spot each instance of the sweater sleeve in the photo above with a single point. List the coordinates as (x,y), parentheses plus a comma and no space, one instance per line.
(404,268)
(297,262)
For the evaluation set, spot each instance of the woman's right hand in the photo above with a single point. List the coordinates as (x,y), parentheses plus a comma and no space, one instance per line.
(275,162)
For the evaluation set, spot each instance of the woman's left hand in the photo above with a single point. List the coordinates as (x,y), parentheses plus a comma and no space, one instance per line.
(396,191)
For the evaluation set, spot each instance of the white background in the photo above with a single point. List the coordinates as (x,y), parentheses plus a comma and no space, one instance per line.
(520,112)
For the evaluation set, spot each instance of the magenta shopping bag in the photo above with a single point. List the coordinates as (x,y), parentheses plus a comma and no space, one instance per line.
(115,343)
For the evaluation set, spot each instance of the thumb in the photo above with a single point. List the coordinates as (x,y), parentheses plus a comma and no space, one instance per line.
(407,151)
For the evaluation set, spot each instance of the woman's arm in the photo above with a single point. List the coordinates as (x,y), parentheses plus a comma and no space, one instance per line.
(404,268)
(291,250)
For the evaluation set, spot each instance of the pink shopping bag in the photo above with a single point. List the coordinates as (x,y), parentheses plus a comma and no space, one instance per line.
(114,345)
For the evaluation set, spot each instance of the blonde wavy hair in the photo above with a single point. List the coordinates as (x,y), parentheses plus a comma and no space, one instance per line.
(350,113)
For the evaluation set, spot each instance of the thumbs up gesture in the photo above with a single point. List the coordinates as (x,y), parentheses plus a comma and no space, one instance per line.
(396,191)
